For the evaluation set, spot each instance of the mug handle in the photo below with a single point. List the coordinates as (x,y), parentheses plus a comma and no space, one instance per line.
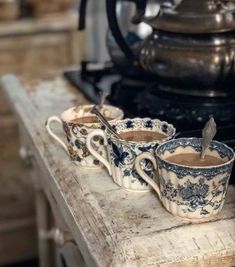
(49,130)
(100,133)
(141,172)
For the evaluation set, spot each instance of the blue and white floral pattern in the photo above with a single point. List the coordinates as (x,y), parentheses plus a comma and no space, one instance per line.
(145,124)
(119,155)
(197,192)
(195,144)
(122,154)
(195,196)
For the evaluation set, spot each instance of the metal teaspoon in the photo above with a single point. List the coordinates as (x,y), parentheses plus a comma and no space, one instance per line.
(208,134)
(103,121)
(103,96)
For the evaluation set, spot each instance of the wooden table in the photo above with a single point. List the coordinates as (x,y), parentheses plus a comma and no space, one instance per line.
(32,46)
(108,225)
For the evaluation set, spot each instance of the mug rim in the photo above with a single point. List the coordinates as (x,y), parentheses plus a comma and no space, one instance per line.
(90,106)
(196,167)
(113,123)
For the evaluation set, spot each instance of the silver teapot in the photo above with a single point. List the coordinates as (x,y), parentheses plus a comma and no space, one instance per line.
(192,44)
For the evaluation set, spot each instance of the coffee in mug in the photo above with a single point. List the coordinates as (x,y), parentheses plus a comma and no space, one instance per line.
(142,136)
(88,119)
(194,159)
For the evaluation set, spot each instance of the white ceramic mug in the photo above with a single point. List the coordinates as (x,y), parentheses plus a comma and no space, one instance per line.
(193,192)
(122,154)
(76,128)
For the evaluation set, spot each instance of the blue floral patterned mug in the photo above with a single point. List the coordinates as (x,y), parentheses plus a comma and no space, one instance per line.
(189,191)
(122,153)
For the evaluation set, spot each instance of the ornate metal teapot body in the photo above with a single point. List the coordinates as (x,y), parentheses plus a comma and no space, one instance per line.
(192,44)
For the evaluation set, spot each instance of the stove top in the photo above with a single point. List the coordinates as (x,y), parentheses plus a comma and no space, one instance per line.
(188,113)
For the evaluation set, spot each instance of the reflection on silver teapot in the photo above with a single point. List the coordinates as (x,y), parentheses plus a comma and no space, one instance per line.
(189,42)
(134,34)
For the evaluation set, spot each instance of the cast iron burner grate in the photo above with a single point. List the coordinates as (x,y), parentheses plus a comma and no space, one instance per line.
(188,112)
(139,99)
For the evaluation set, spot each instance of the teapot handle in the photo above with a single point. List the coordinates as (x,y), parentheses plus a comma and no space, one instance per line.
(114,27)
(82,15)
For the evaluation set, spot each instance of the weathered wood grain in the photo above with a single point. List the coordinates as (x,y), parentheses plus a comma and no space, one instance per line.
(51,23)
(111,226)
(36,45)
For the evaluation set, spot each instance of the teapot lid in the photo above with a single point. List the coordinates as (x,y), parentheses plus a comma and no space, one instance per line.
(195,17)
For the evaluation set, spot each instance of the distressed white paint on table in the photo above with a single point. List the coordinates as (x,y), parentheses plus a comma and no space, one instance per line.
(111,226)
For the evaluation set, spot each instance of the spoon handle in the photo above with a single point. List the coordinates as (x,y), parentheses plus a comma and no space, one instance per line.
(103,96)
(208,134)
(103,121)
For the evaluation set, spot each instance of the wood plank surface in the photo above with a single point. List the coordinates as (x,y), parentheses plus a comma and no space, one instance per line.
(111,226)
(51,23)
(36,45)
(33,47)
(35,53)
